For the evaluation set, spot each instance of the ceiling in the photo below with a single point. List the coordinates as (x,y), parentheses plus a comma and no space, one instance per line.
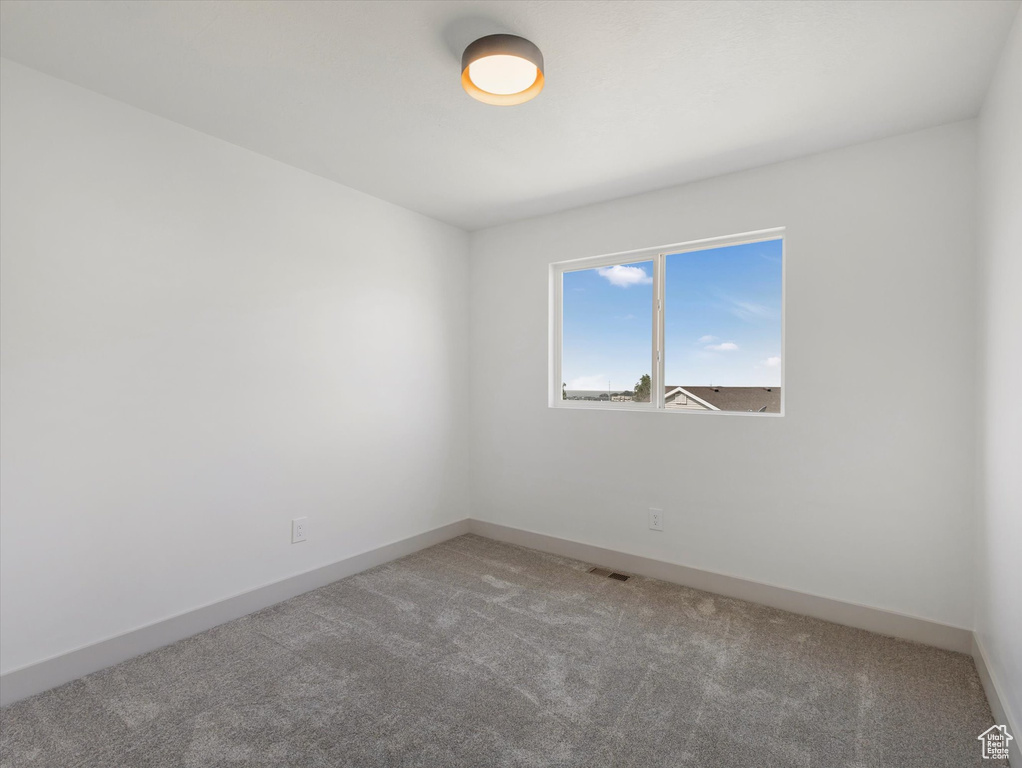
(639,95)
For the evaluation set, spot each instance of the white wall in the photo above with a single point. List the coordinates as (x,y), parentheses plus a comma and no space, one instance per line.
(998,562)
(864,490)
(198,345)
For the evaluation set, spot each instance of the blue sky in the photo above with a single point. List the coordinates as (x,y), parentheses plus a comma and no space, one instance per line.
(722,318)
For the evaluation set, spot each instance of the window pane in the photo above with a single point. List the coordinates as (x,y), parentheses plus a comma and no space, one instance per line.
(607,341)
(722,328)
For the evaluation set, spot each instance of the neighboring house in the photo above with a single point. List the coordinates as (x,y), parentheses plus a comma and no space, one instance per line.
(680,398)
(746,399)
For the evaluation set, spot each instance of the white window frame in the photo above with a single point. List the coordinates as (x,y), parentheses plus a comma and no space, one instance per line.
(658,256)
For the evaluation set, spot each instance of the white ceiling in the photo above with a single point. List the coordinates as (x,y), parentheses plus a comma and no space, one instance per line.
(639,95)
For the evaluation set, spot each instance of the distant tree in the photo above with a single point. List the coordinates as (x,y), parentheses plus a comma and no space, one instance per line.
(564,391)
(642,389)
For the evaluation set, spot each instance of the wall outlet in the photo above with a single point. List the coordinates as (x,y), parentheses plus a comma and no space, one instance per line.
(299,529)
(656,519)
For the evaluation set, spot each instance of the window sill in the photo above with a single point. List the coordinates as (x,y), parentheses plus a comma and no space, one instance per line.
(582,406)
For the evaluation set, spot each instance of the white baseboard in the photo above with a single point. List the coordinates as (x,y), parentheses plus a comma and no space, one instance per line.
(840,612)
(49,673)
(998,702)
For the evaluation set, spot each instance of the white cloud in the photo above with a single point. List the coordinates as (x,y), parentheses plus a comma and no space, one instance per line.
(727,346)
(625,277)
(707,339)
(599,381)
(772,362)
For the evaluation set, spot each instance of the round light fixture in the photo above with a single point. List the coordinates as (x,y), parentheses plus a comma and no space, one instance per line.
(502,70)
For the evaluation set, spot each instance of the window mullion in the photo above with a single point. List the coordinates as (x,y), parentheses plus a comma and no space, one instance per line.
(658,362)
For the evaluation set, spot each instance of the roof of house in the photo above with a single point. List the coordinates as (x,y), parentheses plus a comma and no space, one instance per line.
(737,398)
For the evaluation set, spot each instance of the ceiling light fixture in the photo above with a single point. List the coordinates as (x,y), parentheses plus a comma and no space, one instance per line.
(502,69)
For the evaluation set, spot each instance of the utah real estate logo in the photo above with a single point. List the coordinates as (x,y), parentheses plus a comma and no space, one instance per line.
(995,742)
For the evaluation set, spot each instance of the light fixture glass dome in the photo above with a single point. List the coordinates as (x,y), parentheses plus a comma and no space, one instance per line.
(502,74)
(502,70)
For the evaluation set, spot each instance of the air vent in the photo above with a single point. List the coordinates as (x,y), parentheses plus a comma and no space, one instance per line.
(604,572)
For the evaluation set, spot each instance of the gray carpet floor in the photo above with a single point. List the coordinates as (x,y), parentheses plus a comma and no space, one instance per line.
(477,653)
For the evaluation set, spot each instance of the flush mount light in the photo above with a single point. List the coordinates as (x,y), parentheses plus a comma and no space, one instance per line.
(502,70)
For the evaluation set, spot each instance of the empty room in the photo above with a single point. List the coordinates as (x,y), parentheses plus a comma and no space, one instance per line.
(510,383)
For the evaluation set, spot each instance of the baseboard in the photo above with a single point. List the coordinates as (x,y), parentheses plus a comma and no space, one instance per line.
(840,612)
(49,673)
(998,702)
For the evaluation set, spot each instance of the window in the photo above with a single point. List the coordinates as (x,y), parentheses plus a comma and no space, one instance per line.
(692,328)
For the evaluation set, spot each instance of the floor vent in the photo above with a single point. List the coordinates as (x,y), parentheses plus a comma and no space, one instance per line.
(609,574)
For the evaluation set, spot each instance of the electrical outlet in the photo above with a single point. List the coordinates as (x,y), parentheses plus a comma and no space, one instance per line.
(656,519)
(299,529)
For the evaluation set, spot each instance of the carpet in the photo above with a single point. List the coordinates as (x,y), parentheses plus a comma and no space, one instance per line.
(479,653)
